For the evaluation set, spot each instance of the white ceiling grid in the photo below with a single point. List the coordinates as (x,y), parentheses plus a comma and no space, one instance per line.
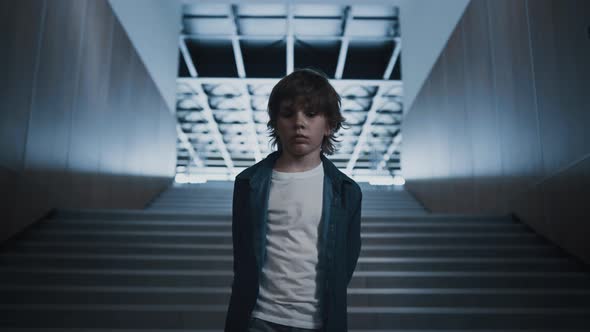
(233,54)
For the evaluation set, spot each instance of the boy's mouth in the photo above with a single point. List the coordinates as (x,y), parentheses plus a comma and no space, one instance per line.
(300,138)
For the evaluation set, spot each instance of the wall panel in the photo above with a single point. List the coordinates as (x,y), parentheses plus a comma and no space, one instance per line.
(561,48)
(49,130)
(438,140)
(90,102)
(515,96)
(522,142)
(119,100)
(415,148)
(565,196)
(132,122)
(480,108)
(166,155)
(85,121)
(17,63)
(459,179)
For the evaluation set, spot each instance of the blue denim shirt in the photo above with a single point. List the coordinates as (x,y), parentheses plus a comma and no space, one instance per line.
(340,241)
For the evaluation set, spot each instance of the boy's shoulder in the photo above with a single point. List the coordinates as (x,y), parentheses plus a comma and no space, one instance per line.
(355,186)
(250,171)
(266,162)
(338,174)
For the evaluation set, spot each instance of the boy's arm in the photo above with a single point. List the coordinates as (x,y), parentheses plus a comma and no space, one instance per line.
(353,240)
(235,311)
(237,209)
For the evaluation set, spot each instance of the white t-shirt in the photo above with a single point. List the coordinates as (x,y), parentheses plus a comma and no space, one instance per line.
(288,291)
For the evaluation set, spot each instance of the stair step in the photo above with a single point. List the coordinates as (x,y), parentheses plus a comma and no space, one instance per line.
(390,297)
(131,214)
(366,226)
(24,329)
(226,249)
(170,268)
(217,237)
(106,276)
(226,262)
(126,214)
(213,316)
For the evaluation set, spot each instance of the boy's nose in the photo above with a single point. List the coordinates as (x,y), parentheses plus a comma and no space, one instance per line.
(300,119)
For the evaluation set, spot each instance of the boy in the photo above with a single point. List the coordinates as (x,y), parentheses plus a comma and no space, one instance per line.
(295,219)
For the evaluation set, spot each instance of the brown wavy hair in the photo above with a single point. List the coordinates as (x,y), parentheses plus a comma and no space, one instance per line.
(312,89)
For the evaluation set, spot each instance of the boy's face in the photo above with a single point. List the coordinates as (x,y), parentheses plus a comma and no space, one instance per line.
(300,129)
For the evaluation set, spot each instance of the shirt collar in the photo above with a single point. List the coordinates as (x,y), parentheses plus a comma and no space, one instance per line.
(263,170)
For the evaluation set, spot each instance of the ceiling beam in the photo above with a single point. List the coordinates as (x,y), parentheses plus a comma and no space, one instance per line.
(346,18)
(200,95)
(273,81)
(186,143)
(277,37)
(215,163)
(395,143)
(290,40)
(247,102)
(235,42)
(367,126)
(244,94)
(393,58)
(187,57)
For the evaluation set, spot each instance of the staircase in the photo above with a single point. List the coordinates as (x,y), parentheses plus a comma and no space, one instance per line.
(169,268)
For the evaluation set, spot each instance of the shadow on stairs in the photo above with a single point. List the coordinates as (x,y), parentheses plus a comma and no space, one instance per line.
(169,268)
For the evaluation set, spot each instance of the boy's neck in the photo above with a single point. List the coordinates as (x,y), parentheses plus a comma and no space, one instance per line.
(291,164)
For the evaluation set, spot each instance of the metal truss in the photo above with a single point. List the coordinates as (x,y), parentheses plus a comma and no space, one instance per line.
(344,43)
(222,117)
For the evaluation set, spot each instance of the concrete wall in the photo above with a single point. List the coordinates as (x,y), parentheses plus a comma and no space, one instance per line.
(153,27)
(82,124)
(425,28)
(499,125)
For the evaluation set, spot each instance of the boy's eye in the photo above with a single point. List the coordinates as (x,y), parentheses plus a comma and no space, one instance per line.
(286,114)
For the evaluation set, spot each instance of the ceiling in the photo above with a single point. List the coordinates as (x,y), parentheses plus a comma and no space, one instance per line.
(231,55)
